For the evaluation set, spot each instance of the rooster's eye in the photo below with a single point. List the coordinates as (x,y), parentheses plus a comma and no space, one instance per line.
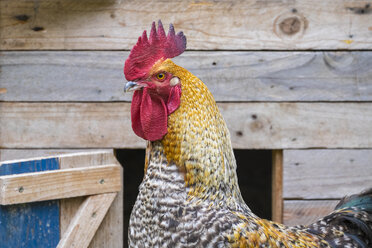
(160,76)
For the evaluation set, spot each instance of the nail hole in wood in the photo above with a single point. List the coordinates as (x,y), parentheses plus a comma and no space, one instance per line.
(22,18)
(37,29)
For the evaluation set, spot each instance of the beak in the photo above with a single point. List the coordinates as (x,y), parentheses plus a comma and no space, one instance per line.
(132,86)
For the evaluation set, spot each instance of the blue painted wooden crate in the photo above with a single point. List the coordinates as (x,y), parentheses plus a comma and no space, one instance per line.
(33,224)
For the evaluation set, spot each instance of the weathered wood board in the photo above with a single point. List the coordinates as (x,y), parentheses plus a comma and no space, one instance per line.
(231,76)
(53,185)
(85,223)
(306,212)
(16,154)
(29,225)
(209,25)
(260,125)
(326,174)
(110,233)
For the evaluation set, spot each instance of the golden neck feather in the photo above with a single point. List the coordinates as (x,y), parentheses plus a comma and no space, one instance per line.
(198,141)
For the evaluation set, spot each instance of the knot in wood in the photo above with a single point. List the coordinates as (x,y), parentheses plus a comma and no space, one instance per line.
(290,25)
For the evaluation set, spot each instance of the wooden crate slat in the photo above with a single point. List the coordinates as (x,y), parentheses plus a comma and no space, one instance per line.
(109,233)
(326,174)
(86,221)
(30,225)
(16,154)
(210,25)
(298,212)
(231,76)
(252,125)
(52,185)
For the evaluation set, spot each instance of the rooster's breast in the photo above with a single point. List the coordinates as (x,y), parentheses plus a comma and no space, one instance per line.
(163,217)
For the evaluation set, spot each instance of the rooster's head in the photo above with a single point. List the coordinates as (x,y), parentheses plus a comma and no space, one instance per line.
(153,78)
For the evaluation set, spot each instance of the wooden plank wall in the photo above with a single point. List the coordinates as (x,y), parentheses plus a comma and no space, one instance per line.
(292,75)
(210,25)
(315,180)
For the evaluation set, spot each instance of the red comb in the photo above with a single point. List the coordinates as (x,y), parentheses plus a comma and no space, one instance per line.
(147,51)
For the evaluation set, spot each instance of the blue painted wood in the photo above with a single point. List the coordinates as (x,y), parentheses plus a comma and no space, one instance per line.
(29,225)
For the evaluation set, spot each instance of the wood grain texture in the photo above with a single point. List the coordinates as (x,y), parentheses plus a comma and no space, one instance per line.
(110,232)
(326,174)
(87,159)
(252,125)
(209,25)
(16,154)
(306,212)
(66,125)
(86,221)
(231,76)
(277,186)
(63,183)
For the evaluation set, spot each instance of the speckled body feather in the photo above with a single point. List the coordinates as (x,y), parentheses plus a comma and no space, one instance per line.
(190,196)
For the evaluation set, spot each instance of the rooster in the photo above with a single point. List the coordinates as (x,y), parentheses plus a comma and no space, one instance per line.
(190,196)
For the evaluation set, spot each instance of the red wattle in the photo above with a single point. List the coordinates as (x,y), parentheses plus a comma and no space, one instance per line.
(174,99)
(136,113)
(149,115)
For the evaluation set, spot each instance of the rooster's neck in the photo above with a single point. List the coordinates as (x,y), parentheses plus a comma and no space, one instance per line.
(198,142)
